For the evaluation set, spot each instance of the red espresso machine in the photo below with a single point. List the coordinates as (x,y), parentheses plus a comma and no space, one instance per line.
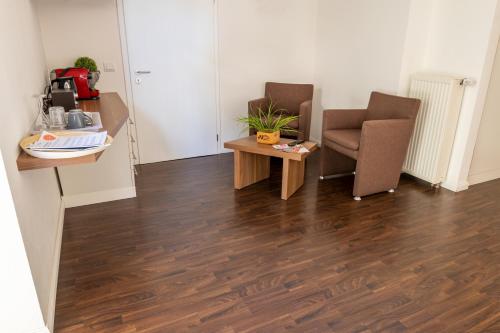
(80,79)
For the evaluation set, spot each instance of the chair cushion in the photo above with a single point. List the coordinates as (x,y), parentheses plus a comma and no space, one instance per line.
(348,138)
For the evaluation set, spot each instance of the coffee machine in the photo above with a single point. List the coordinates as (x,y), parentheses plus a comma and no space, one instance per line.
(80,80)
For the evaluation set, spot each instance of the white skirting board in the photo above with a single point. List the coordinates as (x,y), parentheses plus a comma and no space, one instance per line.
(55,271)
(484,177)
(455,186)
(99,197)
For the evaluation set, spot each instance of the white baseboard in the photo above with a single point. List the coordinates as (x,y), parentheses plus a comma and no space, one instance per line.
(456,186)
(98,197)
(484,177)
(51,311)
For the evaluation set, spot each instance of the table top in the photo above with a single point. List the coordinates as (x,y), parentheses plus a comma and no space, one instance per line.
(249,144)
(114,115)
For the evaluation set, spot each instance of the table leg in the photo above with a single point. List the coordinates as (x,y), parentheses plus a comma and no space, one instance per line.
(293,177)
(250,168)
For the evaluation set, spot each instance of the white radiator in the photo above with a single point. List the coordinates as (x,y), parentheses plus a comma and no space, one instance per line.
(432,142)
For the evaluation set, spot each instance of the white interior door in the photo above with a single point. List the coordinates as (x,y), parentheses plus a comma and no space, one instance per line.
(172,64)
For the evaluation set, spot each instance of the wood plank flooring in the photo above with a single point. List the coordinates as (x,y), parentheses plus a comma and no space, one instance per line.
(190,254)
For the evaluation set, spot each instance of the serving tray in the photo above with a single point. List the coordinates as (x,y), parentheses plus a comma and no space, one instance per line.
(61,154)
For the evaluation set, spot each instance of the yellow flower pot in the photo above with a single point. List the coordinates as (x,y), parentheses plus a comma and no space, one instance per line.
(268,138)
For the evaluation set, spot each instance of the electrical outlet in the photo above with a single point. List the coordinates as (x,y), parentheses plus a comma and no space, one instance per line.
(108,67)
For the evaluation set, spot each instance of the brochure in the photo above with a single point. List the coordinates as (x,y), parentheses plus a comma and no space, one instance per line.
(50,141)
(299,149)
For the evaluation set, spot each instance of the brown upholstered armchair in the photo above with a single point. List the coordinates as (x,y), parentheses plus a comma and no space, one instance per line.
(296,99)
(372,142)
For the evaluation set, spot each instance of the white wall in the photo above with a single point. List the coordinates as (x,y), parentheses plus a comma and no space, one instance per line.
(417,40)
(347,48)
(454,37)
(111,178)
(19,308)
(94,32)
(486,161)
(36,194)
(360,45)
(364,46)
(460,45)
(259,41)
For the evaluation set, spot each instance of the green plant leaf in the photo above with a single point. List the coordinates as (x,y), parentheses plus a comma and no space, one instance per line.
(270,119)
(86,62)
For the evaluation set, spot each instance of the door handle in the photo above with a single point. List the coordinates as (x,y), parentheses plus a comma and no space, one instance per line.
(142,72)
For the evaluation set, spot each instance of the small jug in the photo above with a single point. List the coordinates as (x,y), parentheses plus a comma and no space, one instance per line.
(78,119)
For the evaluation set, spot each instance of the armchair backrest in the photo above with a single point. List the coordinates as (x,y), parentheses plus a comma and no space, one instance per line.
(383,106)
(289,96)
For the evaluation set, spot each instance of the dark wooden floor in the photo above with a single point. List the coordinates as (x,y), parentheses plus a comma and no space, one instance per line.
(190,254)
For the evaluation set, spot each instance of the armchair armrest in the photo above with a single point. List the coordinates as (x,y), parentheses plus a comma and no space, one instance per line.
(385,137)
(343,119)
(253,105)
(381,155)
(305,120)
(386,130)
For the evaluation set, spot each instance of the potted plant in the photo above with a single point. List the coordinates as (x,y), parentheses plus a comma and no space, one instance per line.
(90,64)
(268,123)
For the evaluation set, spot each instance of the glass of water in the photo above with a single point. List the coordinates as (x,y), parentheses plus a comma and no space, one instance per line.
(56,117)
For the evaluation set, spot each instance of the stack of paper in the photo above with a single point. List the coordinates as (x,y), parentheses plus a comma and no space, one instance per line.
(52,142)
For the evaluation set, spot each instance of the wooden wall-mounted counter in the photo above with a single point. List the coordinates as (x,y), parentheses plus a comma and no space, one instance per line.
(113,113)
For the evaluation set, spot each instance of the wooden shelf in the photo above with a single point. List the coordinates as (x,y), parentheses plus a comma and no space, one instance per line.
(114,114)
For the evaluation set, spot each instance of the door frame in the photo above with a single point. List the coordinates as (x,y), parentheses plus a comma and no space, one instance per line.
(128,78)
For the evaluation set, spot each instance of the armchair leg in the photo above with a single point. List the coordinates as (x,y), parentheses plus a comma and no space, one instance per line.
(392,190)
(357,198)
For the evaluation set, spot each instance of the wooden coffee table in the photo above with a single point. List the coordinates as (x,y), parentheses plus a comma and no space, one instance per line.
(252,164)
